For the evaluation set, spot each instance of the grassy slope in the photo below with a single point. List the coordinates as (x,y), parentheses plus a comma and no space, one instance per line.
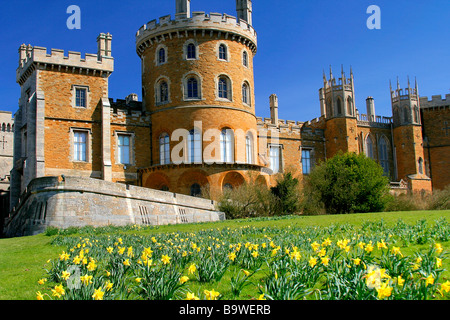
(22,260)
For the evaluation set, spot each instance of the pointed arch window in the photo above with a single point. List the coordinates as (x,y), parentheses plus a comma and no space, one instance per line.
(246,93)
(192,88)
(162,56)
(223,52)
(383,155)
(163,92)
(420,166)
(369,147)
(191,51)
(224,88)
(245,59)
(339,106)
(349,106)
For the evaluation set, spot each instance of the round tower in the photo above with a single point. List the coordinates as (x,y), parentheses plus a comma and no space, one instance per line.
(198,86)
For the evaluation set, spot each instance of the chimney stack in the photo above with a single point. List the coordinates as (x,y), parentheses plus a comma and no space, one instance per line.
(274,109)
(183,8)
(104,45)
(370,104)
(244,10)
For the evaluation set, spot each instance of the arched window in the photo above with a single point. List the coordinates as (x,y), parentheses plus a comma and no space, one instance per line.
(224,88)
(192,88)
(163,92)
(246,93)
(420,166)
(405,114)
(164,149)
(349,106)
(223,52)
(191,51)
(329,108)
(227,186)
(226,146)
(162,56)
(3,127)
(196,190)
(249,148)
(339,106)
(195,146)
(416,114)
(245,59)
(383,155)
(369,147)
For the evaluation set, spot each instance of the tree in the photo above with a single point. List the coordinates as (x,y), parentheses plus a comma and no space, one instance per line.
(287,194)
(348,183)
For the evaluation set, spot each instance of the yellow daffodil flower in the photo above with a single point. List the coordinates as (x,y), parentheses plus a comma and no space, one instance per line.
(98,294)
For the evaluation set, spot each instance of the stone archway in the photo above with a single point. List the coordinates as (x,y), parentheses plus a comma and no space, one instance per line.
(190,180)
(233,180)
(158,181)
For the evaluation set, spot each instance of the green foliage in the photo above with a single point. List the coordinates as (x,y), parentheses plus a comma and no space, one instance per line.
(287,194)
(348,183)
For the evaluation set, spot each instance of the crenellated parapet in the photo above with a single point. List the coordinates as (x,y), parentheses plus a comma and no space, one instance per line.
(436,101)
(34,57)
(213,25)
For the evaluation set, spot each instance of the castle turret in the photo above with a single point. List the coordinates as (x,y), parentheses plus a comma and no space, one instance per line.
(244,10)
(370,105)
(274,109)
(337,100)
(197,78)
(183,8)
(408,141)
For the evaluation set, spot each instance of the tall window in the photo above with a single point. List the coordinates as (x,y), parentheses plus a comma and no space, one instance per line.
(349,106)
(192,88)
(195,147)
(275,153)
(249,148)
(163,92)
(245,59)
(80,145)
(306,161)
(80,97)
(162,56)
(226,146)
(369,147)
(339,106)
(383,156)
(245,94)
(223,54)
(420,166)
(223,88)
(124,148)
(191,51)
(164,149)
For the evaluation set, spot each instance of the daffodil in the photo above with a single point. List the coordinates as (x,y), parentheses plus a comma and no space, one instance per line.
(262,297)
(165,259)
(184,279)
(91,266)
(429,280)
(65,275)
(232,256)
(42,281)
(211,295)
(86,279)
(246,272)
(325,261)
(384,291)
(438,262)
(108,285)
(255,254)
(110,250)
(312,262)
(396,251)
(368,248)
(39,296)
(357,261)
(127,263)
(438,248)
(58,291)
(191,296)
(192,268)
(98,294)
(400,281)
(64,256)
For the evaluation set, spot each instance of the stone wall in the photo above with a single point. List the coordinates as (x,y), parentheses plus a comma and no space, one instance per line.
(64,202)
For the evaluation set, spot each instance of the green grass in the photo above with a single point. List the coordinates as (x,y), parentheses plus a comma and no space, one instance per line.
(23,260)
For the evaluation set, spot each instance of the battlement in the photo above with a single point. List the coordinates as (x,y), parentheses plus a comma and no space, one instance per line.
(31,58)
(166,27)
(435,101)
(374,121)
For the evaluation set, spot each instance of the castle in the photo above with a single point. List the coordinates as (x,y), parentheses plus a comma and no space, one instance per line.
(195,132)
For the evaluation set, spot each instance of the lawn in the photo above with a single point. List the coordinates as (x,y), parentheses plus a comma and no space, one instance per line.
(276,253)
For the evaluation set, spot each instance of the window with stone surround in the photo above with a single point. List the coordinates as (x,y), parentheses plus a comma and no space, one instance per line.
(224,88)
(245,59)
(249,148)
(227,146)
(275,153)
(161,55)
(195,146)
(80,96)
(369,147)
(125,148)
(164,149)
(383,152)
(162,91)
(223,52)
(246,93)
(80,145)
(307,160)
(192,87)
(190,50)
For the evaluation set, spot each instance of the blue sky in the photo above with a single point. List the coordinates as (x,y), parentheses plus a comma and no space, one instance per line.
(297,40)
